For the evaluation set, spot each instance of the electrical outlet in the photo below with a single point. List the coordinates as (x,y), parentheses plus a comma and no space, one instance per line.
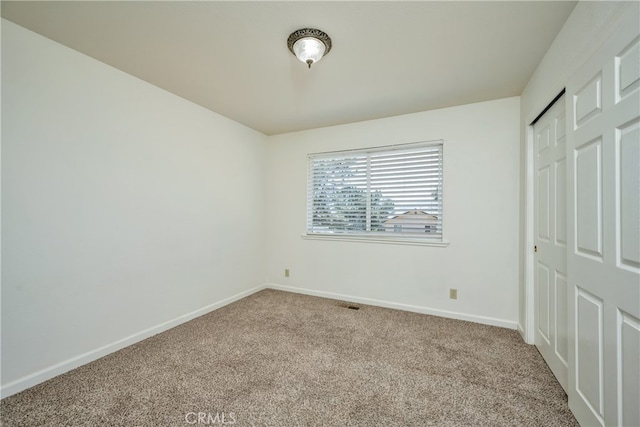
(286,272)
(453,293)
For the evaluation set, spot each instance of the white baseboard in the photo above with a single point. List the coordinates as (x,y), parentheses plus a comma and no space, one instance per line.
(67,365)
(406,307)
(75,362)
(521,332)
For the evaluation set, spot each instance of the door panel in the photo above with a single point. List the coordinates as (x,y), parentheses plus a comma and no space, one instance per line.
(627,70)
(629,188)
(543,301)
(588,213)
(629,371)
(589,351)
(588,101)
(561,202)
(603,231)
(543,203)
(561,336)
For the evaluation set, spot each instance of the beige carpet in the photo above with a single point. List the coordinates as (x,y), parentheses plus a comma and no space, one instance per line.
(282,359)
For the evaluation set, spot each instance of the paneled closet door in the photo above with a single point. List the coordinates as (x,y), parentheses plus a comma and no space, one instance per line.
(603,163)
(550,238)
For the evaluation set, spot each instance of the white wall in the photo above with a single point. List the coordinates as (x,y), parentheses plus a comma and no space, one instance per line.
(481,181)
(123,207)
(588,26)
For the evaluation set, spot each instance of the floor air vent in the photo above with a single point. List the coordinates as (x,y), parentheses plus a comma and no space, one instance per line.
(349,306)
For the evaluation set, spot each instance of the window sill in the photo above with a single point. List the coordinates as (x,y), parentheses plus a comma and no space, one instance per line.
(377,239)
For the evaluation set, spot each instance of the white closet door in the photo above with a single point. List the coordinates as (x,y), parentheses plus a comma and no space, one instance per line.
(550,237)
(603,259)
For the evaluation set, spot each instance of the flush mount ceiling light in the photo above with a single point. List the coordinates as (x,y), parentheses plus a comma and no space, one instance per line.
(309,45)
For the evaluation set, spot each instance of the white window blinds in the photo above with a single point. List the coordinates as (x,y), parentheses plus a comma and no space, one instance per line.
(383,191)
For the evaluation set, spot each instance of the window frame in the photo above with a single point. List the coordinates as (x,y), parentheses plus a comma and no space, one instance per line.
(368,236)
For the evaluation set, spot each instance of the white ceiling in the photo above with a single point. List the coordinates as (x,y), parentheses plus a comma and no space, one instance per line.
(388,57)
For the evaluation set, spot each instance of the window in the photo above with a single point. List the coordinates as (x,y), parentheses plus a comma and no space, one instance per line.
(388,192)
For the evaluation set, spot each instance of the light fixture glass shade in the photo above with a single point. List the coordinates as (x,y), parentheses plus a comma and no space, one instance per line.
(309,45)
(309,50)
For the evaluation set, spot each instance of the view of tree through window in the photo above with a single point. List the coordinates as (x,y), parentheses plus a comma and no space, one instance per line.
(389,190)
